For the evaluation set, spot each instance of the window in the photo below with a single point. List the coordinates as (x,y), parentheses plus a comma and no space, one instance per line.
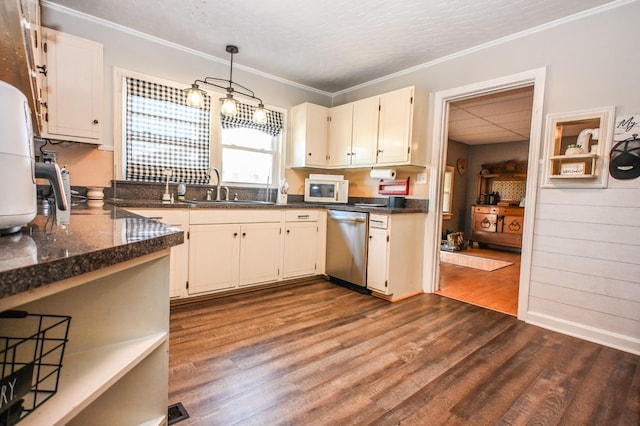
(249,151)
(161,132)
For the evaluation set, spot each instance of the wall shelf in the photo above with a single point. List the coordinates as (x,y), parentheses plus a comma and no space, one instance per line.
(589,131)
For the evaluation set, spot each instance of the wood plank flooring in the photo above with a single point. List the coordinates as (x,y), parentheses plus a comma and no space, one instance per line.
(497,290)
(319,354)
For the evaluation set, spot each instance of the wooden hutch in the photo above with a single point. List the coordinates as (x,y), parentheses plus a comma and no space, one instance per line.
(497,217)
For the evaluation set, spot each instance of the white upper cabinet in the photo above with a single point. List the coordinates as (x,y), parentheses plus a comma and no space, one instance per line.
(365,131)
(73,88)
(309,135)
(389,129)
(402,131)
(340,128)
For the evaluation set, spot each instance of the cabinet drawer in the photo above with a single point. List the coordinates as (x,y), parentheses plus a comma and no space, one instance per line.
(511,211)
(485,209)
(512,225)
(217,216)
(485,222)
(301,216)
(378,221)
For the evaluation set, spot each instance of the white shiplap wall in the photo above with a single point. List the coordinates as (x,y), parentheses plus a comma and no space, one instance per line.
(585,274)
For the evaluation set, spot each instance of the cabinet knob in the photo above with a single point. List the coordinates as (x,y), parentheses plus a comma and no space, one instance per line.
(309,154)
(288,231)
(235,234)
(486,223)
(244,234)
(379,151)
(514,226)
(95,121)
(371,237)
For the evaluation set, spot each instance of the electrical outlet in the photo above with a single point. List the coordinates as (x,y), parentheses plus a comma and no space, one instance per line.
(49,156)
(421,178)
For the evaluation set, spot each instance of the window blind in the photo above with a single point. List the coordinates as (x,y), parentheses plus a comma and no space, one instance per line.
(162,132)
(244,119)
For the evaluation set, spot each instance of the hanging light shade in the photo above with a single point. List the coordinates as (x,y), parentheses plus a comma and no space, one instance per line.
(195,96)
(228,106)
(260,115)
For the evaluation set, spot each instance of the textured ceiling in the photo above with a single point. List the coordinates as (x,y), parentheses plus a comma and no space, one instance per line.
(331,45)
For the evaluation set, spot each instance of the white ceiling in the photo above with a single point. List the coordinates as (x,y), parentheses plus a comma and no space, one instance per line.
(331,45)
(334,45)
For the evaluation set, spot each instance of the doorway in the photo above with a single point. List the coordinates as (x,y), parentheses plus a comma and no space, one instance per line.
(444,101)
(487,152)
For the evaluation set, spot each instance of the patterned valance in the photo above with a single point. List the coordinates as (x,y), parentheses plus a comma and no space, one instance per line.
(244,119)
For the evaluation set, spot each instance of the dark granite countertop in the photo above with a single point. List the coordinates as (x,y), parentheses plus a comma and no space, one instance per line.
(360,207)
(44,252)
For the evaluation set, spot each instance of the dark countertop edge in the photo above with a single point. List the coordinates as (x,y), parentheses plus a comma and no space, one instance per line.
(27,278)
(155,204)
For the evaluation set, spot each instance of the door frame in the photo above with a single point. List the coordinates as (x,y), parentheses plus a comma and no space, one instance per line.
(535,78)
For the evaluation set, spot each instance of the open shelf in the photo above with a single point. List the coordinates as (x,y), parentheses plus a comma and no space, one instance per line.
(90,374)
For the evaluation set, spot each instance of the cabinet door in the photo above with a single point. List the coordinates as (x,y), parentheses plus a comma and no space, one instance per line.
(395,126)
(309,135)
(214,252)
(300,241)
(74,90)
(259,253)
(340,129)
(377,260)
(364,143)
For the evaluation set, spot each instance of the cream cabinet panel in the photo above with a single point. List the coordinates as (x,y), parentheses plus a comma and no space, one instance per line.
(378,261)
(118,338)
(402,128)
(73,88)
(394,264)
(300,243)
(259,253)
(340,129)
(214,257)
(309,135)
(179,266)
(365,131)
(395,126)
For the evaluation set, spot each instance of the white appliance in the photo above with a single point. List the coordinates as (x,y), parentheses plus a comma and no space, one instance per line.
(326,189)
(18,171)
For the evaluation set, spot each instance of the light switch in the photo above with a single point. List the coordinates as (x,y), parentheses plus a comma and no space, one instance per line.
(421,178)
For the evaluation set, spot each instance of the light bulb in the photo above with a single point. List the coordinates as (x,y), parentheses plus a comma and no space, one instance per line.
(195,96)
(260,115)
(228,107)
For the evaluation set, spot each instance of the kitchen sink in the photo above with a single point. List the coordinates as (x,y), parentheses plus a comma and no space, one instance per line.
(227,202)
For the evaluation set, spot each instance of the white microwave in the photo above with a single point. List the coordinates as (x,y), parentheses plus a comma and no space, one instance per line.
(326,189)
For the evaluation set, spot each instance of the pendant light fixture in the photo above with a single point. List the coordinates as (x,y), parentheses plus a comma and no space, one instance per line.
(228,107)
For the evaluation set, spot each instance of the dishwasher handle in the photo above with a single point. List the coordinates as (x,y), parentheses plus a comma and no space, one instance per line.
(347,218)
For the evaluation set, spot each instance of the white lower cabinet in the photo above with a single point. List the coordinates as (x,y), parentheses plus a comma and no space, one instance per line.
(394,267)
(300,243)
(178,270)
(233,248)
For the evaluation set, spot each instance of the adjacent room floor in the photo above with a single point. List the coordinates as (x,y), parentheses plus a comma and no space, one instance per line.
(496,290)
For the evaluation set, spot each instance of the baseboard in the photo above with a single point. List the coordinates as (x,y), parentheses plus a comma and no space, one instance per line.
(592,334)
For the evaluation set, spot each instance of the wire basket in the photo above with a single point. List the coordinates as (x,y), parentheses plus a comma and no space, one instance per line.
(31,351)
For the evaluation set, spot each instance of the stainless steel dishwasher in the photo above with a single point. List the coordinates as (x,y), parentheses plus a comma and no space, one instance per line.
(347,248)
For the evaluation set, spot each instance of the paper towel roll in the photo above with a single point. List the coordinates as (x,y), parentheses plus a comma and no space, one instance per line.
(382,174)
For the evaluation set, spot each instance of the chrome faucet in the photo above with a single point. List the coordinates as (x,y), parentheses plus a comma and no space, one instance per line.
(217,183)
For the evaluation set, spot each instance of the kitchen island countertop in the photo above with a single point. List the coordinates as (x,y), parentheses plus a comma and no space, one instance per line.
(44,252)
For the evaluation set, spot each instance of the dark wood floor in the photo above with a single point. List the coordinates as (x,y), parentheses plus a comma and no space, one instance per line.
(318,354)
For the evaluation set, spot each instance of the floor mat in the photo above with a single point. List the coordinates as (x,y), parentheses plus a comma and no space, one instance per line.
(475,262)
(177,413)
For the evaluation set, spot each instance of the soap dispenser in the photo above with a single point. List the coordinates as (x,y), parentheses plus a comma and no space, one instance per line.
(282,192)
